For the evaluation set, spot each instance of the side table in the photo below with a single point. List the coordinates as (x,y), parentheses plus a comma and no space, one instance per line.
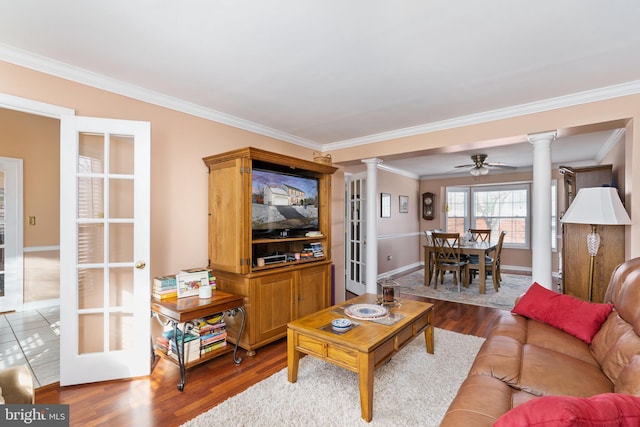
(185,310)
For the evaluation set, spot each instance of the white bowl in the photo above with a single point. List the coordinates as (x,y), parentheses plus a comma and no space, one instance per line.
(341,324)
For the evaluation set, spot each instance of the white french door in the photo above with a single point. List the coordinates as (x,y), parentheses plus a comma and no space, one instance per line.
(104,249)
(11,238)
(355,233)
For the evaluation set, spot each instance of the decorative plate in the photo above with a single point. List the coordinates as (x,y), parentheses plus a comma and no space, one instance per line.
(366,311)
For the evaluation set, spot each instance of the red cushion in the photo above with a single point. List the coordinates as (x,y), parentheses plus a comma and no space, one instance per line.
(602,410)
(579,318)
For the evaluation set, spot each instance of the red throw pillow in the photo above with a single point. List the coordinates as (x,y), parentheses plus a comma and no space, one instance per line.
(602,410)
(579,318)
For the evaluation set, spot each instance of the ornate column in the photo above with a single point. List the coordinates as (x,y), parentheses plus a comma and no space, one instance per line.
(371,239)
(541,209)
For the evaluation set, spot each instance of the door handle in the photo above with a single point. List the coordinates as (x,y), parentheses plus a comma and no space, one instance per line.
(140,265)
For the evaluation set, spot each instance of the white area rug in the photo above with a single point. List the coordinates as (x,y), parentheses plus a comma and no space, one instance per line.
(413,389)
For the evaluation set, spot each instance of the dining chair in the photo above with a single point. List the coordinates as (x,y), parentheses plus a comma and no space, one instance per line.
(429,237)
(492,264)
(448,258)
(480,234)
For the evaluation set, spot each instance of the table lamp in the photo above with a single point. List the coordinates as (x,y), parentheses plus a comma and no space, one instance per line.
(596,206)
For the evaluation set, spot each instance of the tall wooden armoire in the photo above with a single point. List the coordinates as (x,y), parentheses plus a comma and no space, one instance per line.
(575,257)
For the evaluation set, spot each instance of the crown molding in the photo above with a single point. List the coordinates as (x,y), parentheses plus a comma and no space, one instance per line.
(600,94)
(49,66)
(397,171)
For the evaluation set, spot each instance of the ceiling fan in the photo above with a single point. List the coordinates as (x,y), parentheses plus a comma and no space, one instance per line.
(480,167)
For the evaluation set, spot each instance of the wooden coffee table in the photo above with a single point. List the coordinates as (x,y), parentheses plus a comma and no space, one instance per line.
(368,344)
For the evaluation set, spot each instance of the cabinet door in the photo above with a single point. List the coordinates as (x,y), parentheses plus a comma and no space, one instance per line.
(230,216)
(312,290)
(272,304)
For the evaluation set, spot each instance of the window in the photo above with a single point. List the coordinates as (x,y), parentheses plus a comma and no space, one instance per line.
(499,207)
(457,209)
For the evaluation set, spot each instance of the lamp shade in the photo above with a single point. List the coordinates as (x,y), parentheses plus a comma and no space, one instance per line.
(597,206)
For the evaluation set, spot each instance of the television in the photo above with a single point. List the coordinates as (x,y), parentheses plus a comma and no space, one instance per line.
(283,204)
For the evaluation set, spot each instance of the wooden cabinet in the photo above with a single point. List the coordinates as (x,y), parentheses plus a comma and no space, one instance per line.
(575,257)
(282,274)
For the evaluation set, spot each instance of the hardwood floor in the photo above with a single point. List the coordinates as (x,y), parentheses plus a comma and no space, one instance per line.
(156,401)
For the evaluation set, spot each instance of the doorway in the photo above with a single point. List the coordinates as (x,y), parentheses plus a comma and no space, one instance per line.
(11,239)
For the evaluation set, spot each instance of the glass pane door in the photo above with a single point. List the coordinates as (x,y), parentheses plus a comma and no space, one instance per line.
(104,250)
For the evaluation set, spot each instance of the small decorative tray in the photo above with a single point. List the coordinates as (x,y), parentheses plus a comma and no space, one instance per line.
(366,311)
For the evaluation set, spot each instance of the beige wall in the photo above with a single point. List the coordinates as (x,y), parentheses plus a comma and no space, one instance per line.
(178,175)
(398,235)
(36,140)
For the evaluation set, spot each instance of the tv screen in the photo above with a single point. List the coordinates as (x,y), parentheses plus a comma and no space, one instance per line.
(283,205)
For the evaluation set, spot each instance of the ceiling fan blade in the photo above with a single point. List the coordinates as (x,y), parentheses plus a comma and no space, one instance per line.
(470,165)
(499,165)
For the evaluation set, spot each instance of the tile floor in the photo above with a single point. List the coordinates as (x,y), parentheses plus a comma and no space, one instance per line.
(32,337)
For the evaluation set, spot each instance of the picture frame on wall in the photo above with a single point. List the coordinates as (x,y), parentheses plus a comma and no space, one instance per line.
(404,204)
(385,205)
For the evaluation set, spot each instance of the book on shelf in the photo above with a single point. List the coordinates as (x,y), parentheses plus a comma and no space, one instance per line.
(209,329)
(214,319)
(195,270)
(213,346)
(165,295)
(208,339)
(164,282)
(314,249)
(191,352)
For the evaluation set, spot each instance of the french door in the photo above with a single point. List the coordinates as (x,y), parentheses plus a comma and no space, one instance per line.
(104,249)
(11,239)
(355,233)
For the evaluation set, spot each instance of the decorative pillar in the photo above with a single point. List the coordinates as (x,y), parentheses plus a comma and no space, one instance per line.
(371,219)
(541,271)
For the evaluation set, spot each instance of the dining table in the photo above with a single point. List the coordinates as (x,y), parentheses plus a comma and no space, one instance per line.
(466,248)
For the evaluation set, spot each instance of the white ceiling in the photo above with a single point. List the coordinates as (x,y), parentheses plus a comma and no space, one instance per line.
(332,73)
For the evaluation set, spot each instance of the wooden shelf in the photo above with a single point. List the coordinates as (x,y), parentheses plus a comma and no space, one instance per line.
(288,263)
(286,239)
(207,356)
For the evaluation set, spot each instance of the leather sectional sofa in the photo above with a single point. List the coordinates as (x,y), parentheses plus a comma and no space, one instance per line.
(529,372)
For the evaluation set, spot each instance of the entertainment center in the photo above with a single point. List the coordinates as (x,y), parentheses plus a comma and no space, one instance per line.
(270,238)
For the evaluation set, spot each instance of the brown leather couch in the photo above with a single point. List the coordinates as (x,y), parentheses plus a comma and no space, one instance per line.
(523,359)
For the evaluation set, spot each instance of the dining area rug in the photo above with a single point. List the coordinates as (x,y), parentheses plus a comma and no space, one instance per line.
(512,286)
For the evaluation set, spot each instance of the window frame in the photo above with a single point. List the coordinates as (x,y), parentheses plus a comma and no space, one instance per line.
(471,193)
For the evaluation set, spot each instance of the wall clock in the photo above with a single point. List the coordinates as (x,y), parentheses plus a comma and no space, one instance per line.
(428,205)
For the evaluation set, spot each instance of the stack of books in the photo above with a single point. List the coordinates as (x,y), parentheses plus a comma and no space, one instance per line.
(166,344)
(164,287)
(212,332)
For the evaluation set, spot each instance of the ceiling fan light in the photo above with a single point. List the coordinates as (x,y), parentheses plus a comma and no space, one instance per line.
(475,171)
(483,170)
